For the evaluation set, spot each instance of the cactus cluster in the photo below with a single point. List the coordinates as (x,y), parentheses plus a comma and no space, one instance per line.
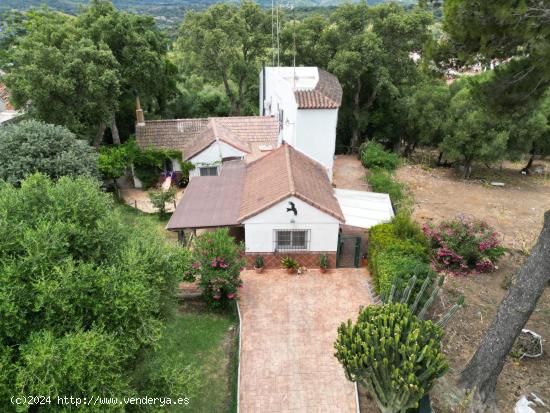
(422,300)
(395,354)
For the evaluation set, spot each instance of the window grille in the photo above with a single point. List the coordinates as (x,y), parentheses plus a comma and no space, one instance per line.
(291,239)
(209,171)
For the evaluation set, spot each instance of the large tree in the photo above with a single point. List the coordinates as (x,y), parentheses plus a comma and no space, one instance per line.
(139,47)
(32,146)
(473,133)
(227,43)
(481,373)
(83,289)
(61,77)
(369,49)
(504,29)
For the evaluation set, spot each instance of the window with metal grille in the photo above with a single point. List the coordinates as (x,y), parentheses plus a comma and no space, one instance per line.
(291,239)
(209,171)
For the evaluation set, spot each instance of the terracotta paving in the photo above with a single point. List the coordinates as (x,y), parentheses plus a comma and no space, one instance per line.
(289,326)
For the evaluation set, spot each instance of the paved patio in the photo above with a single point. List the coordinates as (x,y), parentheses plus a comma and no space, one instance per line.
(289,326)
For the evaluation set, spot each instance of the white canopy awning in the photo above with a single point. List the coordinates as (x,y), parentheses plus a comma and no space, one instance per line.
(364,209)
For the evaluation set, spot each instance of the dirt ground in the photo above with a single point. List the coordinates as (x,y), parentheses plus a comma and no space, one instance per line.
(483,293)
(349,173)
(516,210)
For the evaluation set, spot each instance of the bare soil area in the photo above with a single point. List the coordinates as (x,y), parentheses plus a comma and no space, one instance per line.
(515,210)
(483,294)
(349,173)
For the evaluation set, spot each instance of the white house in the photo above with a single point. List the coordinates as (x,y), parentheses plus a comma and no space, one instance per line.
(298,105)
(280,204)
(7,112)
(305,101)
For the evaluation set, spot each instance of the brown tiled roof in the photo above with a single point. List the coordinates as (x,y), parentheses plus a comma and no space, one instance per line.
(213,132)
(211,201)
(182,134)
(287,172)
(5,98)
(327,93)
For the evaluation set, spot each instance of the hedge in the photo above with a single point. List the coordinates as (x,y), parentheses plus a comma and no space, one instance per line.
(397,251)
(373,155)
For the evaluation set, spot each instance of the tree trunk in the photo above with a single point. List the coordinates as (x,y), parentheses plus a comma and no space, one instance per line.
(114,131)
(482,371)
(99,134)
(439,158)
(355,130)
(230,96)
(527,168)
(467,168)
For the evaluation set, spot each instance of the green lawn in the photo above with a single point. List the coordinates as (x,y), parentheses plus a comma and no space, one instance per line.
(194,335)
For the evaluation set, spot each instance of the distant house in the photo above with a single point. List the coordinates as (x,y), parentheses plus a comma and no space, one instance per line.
(280,204)
(208,142)
(7,111)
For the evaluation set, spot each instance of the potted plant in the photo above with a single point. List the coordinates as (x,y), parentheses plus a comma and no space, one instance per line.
(259,264)
(323,262)
(290,264)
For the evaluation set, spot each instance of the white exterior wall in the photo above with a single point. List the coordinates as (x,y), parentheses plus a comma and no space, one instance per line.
(259,228)
(279,96)
(213,155)
(316,135)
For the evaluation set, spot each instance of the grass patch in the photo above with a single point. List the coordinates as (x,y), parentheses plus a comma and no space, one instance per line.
(206,340)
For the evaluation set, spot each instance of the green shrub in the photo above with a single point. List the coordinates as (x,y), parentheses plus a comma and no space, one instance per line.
(159,198)
(289,263)
(397,251)
(396,355)
(382,181)
(323,261)
(259,262)
(373,155)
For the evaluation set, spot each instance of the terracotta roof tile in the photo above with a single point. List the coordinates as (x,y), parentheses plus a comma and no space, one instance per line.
(182,134)
(327,93)
(214,131)
(287,172)
(5,103)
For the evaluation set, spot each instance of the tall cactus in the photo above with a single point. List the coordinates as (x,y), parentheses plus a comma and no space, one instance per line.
(395,296)
(393,353)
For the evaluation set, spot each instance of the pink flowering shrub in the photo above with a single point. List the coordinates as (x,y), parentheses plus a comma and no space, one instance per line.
(218,261)
(462,245)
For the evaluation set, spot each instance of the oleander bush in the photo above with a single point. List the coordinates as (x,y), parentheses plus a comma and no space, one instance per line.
(393,353)
(462,245)
(373,155)
(219,260)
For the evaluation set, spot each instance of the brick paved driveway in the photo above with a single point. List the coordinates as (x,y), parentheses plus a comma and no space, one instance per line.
(288,329)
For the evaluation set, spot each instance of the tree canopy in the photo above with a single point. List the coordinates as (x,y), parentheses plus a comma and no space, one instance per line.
(33,146)
(82,289)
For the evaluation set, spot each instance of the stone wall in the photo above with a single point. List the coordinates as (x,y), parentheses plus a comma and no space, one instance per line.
(305,259)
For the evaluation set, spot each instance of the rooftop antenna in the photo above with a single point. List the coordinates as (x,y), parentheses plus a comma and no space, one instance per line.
(272,33)
(278,44)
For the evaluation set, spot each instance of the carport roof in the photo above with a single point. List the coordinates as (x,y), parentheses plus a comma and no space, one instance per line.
(211,201)
(364,209)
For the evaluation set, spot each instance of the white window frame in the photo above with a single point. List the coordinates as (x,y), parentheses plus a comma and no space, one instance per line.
(209,168)
(293,237)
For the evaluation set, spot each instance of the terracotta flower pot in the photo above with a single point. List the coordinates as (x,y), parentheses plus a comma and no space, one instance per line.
(323,270)
(290,270)
(259,270)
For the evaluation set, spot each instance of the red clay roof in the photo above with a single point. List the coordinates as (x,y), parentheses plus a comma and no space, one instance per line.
(182,134)
(327,94)
(283,173)
(5,98)
(214,131)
